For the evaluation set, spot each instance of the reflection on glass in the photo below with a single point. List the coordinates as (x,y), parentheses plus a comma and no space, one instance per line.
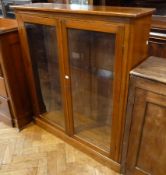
(43,49)
(91,67)
(78,2)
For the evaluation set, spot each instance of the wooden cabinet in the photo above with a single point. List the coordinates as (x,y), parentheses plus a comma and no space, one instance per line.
(147,119)
(78,61)
(15,103)
(157,39)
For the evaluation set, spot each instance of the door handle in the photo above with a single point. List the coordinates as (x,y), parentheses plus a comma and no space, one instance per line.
(66,77)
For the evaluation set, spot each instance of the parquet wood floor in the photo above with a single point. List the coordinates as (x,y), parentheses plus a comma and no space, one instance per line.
(34,151)
(86,128)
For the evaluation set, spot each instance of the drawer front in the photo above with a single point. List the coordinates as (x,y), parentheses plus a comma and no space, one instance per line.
(3,92)
(4,107)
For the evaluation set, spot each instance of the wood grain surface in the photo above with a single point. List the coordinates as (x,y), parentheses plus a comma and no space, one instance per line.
(153,68)
(89,9)
(34,151)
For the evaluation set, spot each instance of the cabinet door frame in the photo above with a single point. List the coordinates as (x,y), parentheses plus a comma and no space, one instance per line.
(105,27)
(135,125)
(48,21)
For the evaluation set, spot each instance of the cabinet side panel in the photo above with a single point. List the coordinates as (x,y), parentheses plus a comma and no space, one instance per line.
(139,40)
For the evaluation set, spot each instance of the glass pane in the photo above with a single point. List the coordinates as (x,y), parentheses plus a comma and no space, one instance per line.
(91,67)
(43,49)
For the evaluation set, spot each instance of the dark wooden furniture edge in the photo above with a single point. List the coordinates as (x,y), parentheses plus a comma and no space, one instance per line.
(127,127)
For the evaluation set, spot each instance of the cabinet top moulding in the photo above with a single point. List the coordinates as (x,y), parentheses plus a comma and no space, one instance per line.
(128,12)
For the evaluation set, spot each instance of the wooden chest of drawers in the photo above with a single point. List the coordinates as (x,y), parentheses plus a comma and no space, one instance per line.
(15,104)
(146,119)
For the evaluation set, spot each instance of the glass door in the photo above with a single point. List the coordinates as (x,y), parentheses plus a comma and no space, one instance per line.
(42,43)
(92,53)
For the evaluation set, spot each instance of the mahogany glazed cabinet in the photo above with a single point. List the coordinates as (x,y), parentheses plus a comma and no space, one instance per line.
(146,119)
(15,104)
(78,60)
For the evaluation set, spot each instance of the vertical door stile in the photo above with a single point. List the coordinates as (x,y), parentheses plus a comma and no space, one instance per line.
(27,63)
(66,79)
(116,120)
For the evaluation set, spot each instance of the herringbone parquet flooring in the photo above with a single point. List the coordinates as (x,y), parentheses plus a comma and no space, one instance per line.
(34,151)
